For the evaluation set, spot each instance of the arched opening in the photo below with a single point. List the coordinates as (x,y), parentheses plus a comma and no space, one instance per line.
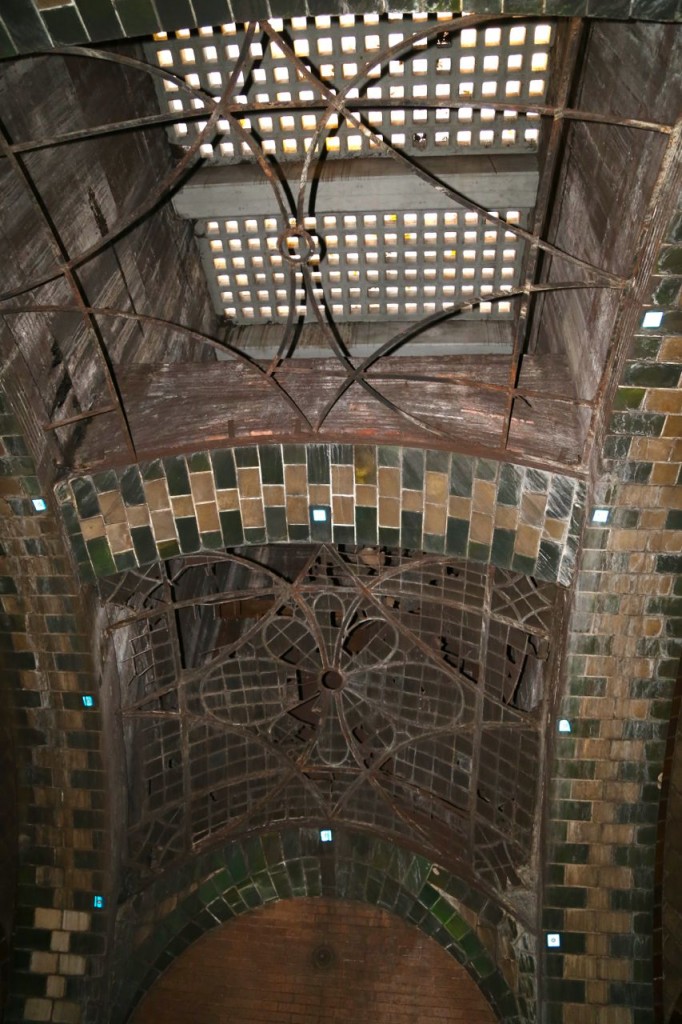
(311,960)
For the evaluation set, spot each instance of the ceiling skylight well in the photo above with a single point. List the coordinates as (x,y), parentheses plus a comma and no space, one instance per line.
(416,98)
(409,86)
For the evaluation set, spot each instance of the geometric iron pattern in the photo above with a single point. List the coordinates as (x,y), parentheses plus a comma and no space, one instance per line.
(404,265)
(485,54)
(398,693)
(370,266)
(415,63)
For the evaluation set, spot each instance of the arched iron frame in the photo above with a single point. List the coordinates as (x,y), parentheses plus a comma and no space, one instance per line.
(14,302)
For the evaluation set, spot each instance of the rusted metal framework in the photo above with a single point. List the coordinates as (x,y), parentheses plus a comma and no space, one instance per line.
(519,400)
(393,692)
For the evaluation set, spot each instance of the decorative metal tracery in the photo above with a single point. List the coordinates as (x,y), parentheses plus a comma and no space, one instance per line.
(394,692)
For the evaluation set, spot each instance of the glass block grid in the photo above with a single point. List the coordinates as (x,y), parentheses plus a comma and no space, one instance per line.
(493,64)
(372,266)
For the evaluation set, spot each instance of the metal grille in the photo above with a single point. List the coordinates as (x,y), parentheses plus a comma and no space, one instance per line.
(530,406)
(400,84)
(346,691)
(406,264)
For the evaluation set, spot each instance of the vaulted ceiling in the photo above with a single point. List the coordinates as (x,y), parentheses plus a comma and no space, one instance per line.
(313,325)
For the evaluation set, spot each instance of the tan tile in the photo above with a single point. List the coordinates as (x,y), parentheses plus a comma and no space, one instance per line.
(435,518)
(342,479)
(663,400)
(555,528)
(319,494)
(92,528)
(227,500)
(163,525)
(365,464)
(252,512)
(389,512)
(38,1009)
(296,480)
(413,501)
(44,917)
(484,496)
(389,482)
(527,541)
(156,492)
(652,449)
(119,538)
(112,507)
(273,494)
(460,508)
(664,473)
(249,482)
(138,515)
(533,508)
(207,517)
(343,509)
(653,518)
(506,517)
(60,941)
(202,487)
(673,427)
(481,528)
(182,506)
(56,986)
(297,510)
(366,494)
(436,486)
(671,350)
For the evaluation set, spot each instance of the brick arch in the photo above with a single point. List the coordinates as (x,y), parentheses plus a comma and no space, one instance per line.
(222,884)
(314,959)
(525,519)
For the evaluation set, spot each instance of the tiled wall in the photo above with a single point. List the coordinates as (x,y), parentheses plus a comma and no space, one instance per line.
(47,667)
(622,661)
(523,519)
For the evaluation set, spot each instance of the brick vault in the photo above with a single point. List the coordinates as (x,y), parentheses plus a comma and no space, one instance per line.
(340,510)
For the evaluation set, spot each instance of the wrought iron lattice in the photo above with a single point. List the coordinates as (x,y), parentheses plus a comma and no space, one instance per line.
(494,64)
(523,412)
(386,693)
(404,265)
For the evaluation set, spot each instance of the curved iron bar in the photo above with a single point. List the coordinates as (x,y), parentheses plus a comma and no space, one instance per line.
(290,326)
(436,318)
(189,332)
(334,97)
(209,100)
(461,380)
(352,375)
(176,175)
(543,110)
(337,105)
(75,285)
(198,336)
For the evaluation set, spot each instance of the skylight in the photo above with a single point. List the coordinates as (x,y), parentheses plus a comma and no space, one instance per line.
(403,264)
(405,97)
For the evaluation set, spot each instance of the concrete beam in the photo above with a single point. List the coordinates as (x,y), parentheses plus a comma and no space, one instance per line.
(497,182)
(455,337)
